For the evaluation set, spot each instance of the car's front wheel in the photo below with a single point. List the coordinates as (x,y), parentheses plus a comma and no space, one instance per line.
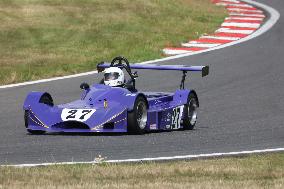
(137,118)
(190,112)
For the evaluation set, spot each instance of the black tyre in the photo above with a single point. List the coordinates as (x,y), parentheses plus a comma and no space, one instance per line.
(190,112)
(137,118)
(35,132)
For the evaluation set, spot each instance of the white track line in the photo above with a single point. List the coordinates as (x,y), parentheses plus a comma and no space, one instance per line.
(48,80)
(266,26)
(184,157)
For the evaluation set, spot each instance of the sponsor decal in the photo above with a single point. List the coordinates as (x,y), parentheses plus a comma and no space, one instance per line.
(153,126)
(169,116)
(105,103)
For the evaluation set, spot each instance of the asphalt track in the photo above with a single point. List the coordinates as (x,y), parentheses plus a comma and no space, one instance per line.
(242,108)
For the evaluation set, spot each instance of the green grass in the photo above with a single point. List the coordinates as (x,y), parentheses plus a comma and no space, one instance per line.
(253,172)
(45,38)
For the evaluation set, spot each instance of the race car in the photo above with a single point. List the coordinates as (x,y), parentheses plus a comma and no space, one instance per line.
(115,105)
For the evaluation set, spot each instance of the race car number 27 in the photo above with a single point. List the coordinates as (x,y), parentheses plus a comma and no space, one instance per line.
(77,114)
(176,117)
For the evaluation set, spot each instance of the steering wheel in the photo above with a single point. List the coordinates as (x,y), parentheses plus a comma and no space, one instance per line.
(122,62)
(118,61)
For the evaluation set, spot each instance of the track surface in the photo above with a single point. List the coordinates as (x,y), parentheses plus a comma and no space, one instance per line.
(242,108)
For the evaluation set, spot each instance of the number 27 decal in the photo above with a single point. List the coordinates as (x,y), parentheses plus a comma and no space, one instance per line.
(77,114)
(176,117)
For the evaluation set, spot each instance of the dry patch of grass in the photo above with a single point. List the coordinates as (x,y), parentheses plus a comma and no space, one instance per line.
(45,38)
(266,171)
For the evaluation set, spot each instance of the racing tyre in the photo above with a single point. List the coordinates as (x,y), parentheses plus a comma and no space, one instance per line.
(190,112)
(137,118)
(35,132)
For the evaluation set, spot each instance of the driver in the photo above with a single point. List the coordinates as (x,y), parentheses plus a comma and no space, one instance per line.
(114,77)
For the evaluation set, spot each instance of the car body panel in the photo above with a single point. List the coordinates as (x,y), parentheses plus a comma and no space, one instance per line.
(106,109)
(103,108)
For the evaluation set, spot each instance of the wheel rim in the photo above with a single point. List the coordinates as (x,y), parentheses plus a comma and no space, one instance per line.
(192,111)
(141,115)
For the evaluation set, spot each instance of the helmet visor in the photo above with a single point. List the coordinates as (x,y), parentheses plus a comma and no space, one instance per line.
(111,76)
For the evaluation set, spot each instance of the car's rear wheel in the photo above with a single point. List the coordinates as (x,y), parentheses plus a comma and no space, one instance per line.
(35,132)
(137,118)
(190,112)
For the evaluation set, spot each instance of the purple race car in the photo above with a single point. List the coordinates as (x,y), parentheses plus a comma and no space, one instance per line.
(115,105)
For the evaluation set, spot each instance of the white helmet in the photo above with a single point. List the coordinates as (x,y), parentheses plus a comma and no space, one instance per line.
(113,76)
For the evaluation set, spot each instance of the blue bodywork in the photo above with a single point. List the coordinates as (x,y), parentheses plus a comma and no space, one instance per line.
(111,105)
(103,108)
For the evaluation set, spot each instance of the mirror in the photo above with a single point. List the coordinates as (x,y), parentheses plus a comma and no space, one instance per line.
(85,86)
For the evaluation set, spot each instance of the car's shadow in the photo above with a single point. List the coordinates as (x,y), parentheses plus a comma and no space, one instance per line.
(84,134)
(111,134)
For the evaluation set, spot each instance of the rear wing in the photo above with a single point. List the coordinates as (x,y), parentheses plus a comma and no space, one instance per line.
(123,63)
(203,69)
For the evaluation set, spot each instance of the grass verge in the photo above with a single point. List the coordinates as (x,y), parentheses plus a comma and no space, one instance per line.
(257,171)
(45,38)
